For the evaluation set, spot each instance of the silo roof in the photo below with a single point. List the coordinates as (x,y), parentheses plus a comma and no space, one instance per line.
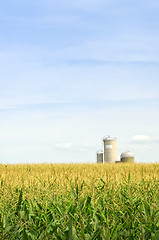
(107,137)
(127,154)
(100,152)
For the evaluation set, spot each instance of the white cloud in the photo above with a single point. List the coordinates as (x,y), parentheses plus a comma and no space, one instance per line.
(144,139)
(141,138)
(66,145)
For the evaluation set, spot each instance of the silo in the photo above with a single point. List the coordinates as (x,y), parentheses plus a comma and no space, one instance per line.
(110,149)
(127,157)
(100,156)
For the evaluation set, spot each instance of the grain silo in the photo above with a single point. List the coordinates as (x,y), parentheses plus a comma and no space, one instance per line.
(100,156)
(127,157)
(110,149)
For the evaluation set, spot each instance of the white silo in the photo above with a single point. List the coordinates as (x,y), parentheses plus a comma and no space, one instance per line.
(100,156)
(127,157)
(110,149)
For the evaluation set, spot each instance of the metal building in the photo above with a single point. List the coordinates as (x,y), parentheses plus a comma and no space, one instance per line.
(110,149)
(100,156)
(127,157)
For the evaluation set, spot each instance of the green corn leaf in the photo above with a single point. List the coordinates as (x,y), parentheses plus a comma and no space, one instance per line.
(18,206)
(24,235)
(96,235)
(70,231)
(114,230)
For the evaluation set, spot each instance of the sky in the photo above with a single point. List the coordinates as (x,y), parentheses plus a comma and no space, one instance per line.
(72,72)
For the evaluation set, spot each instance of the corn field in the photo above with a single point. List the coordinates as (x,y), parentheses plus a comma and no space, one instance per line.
(79,201)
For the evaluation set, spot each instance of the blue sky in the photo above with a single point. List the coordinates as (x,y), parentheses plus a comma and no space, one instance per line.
(72,72)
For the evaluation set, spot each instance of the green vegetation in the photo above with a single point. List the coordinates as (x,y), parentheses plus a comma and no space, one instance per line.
(110,201)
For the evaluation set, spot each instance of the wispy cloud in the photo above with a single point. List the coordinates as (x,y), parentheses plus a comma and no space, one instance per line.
(65,145)
(128,48)
(142,139)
